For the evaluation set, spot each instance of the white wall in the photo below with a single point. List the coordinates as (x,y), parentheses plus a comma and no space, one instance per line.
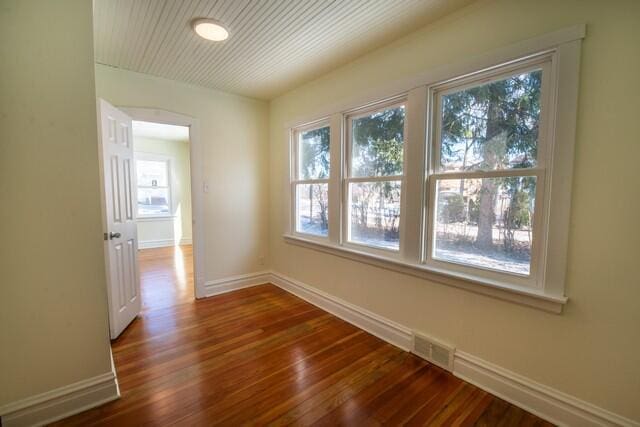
(591,350)
(157,232)
(234,132)
(53,301)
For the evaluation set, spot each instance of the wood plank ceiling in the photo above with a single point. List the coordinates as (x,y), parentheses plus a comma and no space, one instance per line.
(274,45)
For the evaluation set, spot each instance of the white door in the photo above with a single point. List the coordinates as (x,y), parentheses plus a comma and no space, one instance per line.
(119,212)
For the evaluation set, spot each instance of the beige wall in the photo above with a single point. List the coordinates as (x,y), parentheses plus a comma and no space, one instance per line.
(177,228)
(53,302)
(234,131)
(591,350)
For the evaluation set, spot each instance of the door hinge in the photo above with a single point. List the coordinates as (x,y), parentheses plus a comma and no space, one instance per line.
(105,236)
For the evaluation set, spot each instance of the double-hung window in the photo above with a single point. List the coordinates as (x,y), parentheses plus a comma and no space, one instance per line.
(154,190)
(486,188)
(373,185)
(465,179)
(310,186)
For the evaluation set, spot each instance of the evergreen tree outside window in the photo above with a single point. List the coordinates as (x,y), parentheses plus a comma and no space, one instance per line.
(375,174)
(463,180)
(487,172)
(311,186)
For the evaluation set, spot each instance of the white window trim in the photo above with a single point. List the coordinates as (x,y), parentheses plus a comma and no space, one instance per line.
(139,155)
(564,46)
(295,171)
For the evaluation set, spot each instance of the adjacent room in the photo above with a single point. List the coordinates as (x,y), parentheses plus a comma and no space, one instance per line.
(310,212)
(163,185)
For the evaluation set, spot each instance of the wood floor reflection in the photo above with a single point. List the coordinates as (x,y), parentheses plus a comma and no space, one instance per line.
(263,356)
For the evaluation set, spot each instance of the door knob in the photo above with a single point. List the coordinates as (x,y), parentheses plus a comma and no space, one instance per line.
(113,235)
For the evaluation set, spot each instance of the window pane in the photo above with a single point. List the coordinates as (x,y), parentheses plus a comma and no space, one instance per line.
(313,149)
(492,126)
(153,201)
(375,213)
(377,143)
(152,173)
(312,215)
(486,222)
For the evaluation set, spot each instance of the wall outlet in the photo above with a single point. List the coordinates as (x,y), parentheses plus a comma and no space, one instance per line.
(261,260)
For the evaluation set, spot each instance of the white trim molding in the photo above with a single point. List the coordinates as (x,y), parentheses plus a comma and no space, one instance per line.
(545,402)
(553,405)
(162,243)
(520,295)
(62,402)
(233,283)
(381,327)
(152,244)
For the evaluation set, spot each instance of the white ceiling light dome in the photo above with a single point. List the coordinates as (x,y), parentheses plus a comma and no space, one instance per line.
(210,29)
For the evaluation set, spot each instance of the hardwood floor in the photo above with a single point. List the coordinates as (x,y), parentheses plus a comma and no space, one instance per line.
(263,356)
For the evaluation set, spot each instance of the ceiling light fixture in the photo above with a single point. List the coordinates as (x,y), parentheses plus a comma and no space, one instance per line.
(210,29)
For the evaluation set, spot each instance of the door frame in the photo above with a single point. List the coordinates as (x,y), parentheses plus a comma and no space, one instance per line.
(197,181)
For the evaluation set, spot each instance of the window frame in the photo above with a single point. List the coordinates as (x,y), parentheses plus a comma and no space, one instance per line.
(295,175)
(347,179)
(152,157)
(434,173)
(563,48)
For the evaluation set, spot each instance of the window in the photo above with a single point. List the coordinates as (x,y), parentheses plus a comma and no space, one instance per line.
(374,179)
(154,194)
(464,180)
(310,185)
(487,153)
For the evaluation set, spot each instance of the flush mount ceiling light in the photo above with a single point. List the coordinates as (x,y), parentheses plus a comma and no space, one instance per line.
(210,29)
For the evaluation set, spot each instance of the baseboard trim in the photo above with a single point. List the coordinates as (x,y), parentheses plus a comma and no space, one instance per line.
(152,244)
(547,403)
(543,401)
(62,402)
(233,283)
(162,243)
(384,329)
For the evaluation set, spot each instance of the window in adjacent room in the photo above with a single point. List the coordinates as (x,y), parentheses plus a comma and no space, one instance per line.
(154,193)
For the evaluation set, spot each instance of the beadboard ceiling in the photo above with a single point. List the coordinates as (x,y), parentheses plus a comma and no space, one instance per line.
(274,45)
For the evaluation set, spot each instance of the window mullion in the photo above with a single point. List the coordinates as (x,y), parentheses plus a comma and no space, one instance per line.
(411,204)
(335,176)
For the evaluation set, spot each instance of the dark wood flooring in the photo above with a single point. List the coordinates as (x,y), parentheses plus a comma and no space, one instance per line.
(262,356)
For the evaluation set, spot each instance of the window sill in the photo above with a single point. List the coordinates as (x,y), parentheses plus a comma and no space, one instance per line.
(513,293)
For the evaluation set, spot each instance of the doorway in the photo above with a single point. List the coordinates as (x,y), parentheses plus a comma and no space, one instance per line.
(164,213)
(155,175)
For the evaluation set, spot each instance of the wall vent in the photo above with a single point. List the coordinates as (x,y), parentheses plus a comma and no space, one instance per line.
(434,351)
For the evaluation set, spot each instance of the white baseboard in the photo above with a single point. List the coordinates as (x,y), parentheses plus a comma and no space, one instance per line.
(385,329)
(151,244)
(162,243)
(233,283)
(543,401)
(62,402)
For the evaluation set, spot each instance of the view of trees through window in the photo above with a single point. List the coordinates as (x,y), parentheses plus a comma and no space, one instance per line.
(377,142)
(312,200)
(487,222)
